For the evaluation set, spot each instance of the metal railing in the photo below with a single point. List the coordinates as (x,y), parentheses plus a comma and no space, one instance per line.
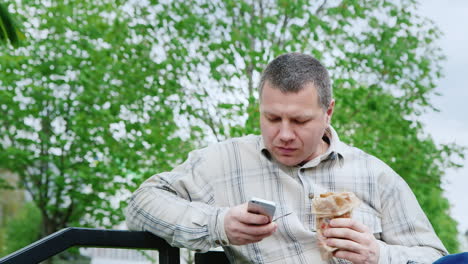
(90,237)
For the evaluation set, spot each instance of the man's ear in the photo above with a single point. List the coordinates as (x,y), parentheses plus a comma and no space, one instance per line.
(330,109)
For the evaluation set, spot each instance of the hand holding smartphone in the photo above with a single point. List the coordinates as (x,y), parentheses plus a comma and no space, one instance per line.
(261,206)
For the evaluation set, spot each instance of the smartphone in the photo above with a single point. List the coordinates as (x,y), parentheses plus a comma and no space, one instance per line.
(261,206)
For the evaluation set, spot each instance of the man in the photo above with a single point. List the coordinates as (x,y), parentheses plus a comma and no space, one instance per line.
(202,203)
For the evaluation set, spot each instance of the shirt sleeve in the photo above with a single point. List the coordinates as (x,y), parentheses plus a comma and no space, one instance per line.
(178,206)
(407,235)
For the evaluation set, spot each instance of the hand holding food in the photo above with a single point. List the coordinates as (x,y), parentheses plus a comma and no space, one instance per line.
(328,206)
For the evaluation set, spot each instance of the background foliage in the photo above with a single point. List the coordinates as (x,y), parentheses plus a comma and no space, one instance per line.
(22,229)
(83,118)
(8,29)
(11,204)
(105,93)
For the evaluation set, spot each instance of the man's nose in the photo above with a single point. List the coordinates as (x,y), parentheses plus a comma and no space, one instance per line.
(286,132)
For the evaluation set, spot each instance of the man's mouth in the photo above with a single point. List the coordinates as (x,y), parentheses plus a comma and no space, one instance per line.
(285,150)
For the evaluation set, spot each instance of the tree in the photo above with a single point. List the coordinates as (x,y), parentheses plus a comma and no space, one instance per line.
(383,63)
(198,62)
(84,116)
(8,34)
(8,28)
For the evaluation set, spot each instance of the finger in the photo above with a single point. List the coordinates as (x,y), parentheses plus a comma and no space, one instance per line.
(348,255)
(259,230)
(253,219)
(252,230)
(345,233)
(242,236)
(240,214)
(253,238)
(349,223)
(345,244)
(243,239)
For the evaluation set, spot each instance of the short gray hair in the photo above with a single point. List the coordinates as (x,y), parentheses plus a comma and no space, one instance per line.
(290,72)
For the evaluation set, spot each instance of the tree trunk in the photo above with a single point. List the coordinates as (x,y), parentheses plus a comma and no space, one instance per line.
(48,227)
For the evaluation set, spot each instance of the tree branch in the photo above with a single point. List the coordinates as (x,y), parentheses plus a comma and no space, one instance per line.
(66,217)
(279,41)
(209,120)
(321,7)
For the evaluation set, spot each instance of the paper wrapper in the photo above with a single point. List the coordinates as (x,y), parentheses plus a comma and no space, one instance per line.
(326,207)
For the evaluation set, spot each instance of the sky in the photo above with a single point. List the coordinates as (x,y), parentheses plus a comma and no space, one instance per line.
(451,123)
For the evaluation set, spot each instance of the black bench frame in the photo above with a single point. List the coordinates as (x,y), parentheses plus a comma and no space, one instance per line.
(91,237)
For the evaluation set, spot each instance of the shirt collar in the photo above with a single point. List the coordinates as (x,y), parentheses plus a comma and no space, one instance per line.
(334,151)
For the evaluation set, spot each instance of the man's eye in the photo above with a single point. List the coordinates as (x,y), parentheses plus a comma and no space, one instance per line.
(274,119)
(300,122)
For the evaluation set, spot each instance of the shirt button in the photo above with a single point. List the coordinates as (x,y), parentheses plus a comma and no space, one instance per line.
(223,242)
(217,242)
(311,195)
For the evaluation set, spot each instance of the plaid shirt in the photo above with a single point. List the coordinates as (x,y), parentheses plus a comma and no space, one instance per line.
(187,205)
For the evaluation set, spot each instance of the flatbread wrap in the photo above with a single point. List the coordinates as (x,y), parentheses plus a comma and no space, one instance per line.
(326,207)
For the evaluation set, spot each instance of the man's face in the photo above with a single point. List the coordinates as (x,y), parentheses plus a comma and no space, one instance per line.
(293,124)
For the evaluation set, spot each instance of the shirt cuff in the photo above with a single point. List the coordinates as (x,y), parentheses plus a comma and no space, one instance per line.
(217,231)
(383,252)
